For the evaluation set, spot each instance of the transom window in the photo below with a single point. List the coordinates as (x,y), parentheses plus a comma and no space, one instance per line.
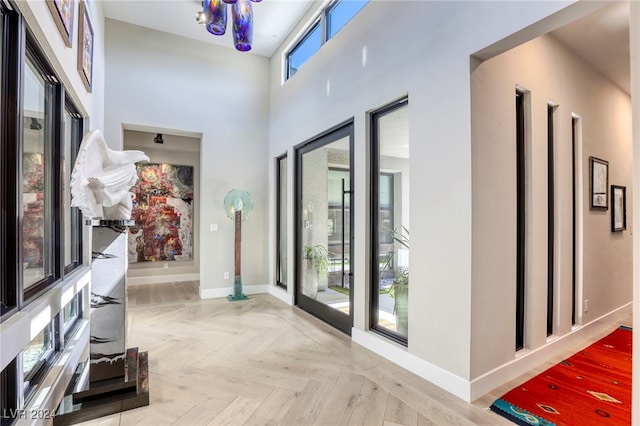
(331,19)
(340,13)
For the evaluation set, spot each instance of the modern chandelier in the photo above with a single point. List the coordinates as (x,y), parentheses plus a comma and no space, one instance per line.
(214,16)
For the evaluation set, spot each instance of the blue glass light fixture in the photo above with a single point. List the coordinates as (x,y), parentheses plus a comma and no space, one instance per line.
(217,12)
(242,11)
(214,16)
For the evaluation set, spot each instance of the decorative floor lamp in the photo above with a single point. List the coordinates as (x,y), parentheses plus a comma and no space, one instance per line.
(238,207)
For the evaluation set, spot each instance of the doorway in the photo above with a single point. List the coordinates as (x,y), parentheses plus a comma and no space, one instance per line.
(324,220)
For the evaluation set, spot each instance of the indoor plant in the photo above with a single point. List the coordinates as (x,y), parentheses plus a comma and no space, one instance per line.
(317,258)
(399,289)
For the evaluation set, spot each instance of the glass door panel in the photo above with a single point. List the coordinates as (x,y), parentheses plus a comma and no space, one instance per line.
(324,227)
(390,221)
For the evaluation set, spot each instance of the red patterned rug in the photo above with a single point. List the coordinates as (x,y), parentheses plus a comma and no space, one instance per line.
(592,387)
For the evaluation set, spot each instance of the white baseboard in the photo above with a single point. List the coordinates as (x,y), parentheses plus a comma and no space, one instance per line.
(281,293)
(399,355)
(470,391)
(212,293)
(491,380)
(162,279)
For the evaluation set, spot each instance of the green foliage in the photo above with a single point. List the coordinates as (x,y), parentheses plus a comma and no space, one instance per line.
(400,236)
(399,290)
(319,258)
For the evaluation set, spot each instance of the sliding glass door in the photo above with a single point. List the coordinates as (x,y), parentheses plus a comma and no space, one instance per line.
(324,241)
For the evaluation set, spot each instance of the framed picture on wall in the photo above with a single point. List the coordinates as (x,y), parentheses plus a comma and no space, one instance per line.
(85,46)
(618,208)
(599,183)
(62,12)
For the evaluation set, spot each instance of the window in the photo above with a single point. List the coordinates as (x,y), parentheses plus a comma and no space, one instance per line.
(390,221)
(39,141)
(37,357)
(281,225)
(550,218)
(71,313)
(304,49)
(340,13)
(332,19)
(49,230)
(72,135)
(37,182)
(521,206)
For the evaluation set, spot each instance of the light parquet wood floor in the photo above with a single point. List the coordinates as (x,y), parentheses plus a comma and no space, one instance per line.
(262,362)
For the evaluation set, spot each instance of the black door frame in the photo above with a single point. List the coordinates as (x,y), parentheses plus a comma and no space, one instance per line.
(333,317)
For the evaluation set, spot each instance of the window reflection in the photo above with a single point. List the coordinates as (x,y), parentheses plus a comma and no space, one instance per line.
(36,222)
(36,352)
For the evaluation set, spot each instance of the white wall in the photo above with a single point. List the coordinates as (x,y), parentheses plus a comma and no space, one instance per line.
(366,66)
(552,74)
(160,81)
(177,150)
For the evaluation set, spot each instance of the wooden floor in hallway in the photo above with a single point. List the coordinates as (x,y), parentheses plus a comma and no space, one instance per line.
(262,362)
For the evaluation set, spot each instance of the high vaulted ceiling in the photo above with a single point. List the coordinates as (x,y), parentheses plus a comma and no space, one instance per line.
(273,20)
(601,39)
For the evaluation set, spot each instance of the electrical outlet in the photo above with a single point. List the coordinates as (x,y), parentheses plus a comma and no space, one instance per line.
(586,305)
(226,275)
(165,265)
(213,227)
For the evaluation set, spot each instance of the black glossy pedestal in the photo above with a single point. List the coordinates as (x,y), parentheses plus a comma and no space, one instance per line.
(102,398)
(114,379)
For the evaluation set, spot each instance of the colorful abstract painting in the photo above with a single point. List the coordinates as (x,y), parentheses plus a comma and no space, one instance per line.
(163,212)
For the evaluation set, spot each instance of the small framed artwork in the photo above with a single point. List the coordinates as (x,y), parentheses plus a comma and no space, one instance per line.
(599,183)
(62,12)
(85,46)
(618,208)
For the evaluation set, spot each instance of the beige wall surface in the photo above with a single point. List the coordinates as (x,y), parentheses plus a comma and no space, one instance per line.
(551,74)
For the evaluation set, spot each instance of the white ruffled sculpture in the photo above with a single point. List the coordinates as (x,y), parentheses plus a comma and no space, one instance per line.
(102,177)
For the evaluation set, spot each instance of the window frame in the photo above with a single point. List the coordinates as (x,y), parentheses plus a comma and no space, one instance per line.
(34,377)
(320,20)
(279,224)
(70,328)
(374,141)
(76,139)
(316,24)
(13,35)
(53,148)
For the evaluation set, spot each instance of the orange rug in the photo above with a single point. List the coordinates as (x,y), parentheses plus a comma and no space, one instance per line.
(592,387)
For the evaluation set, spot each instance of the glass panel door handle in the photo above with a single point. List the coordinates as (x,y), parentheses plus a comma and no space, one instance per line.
(344,193)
